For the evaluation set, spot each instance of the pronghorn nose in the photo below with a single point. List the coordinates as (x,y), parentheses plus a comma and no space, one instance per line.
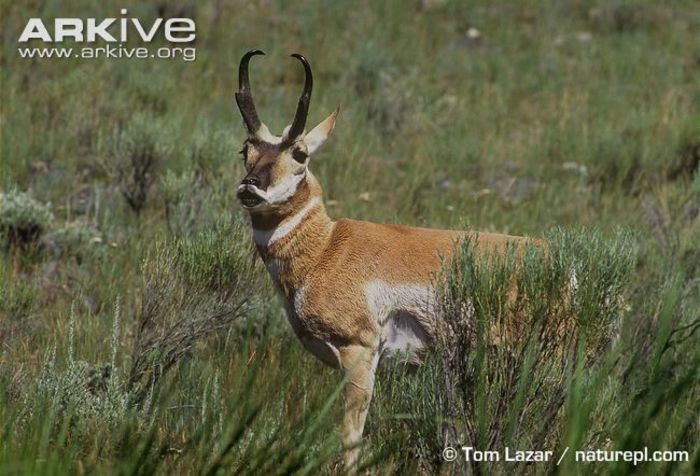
(251,180)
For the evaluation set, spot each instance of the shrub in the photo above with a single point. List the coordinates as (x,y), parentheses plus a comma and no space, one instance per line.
(625,16)
(138,150)
(92,395)
(77,239)
(503,363)
(197,198)
(18,302)
(22,218)
(184,196)
(193,287)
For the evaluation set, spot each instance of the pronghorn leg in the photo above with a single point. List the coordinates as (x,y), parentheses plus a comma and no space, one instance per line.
(359,364)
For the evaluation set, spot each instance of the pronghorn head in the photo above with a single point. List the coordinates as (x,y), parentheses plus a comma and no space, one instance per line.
(276,165)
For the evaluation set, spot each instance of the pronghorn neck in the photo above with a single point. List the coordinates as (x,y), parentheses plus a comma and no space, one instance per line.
(291,239)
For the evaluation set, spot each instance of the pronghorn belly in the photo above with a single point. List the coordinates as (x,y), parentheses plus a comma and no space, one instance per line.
(404,337)
(405,313)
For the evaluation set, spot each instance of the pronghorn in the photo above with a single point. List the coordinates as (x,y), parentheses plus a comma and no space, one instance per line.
(353,290)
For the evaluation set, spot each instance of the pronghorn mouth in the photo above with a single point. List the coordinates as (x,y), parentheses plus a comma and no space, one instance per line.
(249,199)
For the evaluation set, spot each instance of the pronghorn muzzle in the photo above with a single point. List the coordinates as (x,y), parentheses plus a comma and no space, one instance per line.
(249,191)
(248,198)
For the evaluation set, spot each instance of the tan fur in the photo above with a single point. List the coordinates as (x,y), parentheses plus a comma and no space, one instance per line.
(332,261)
(352,289)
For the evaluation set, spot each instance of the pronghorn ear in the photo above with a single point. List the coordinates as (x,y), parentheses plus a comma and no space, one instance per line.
(320,133)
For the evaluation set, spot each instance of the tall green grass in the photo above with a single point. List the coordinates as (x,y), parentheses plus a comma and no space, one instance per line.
(564,119)
(586,372)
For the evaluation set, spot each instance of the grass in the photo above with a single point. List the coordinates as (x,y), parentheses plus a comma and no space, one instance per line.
(139,333)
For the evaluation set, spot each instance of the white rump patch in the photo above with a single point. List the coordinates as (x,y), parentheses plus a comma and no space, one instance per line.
(268,237)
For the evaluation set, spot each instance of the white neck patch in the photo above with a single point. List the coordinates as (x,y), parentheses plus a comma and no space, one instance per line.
(283,191)
(268,237)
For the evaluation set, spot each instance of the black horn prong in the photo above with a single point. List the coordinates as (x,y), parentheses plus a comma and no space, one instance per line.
(244,96)
(302,112)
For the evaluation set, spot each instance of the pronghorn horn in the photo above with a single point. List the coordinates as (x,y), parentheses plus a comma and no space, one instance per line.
(244,97)
(299,123)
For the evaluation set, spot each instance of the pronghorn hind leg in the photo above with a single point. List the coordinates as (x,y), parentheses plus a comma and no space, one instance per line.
(359,364)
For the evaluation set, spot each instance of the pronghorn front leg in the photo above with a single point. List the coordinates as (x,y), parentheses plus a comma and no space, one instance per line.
(359,364)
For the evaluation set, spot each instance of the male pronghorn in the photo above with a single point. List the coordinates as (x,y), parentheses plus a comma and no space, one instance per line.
(353,290)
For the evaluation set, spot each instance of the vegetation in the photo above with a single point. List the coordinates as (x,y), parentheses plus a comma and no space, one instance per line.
(139,334)
(22,219)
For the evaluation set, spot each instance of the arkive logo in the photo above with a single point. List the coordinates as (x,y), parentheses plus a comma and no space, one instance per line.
(109,31)
(176,30)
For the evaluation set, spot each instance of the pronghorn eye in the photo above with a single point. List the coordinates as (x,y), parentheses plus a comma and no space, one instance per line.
(299,155)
